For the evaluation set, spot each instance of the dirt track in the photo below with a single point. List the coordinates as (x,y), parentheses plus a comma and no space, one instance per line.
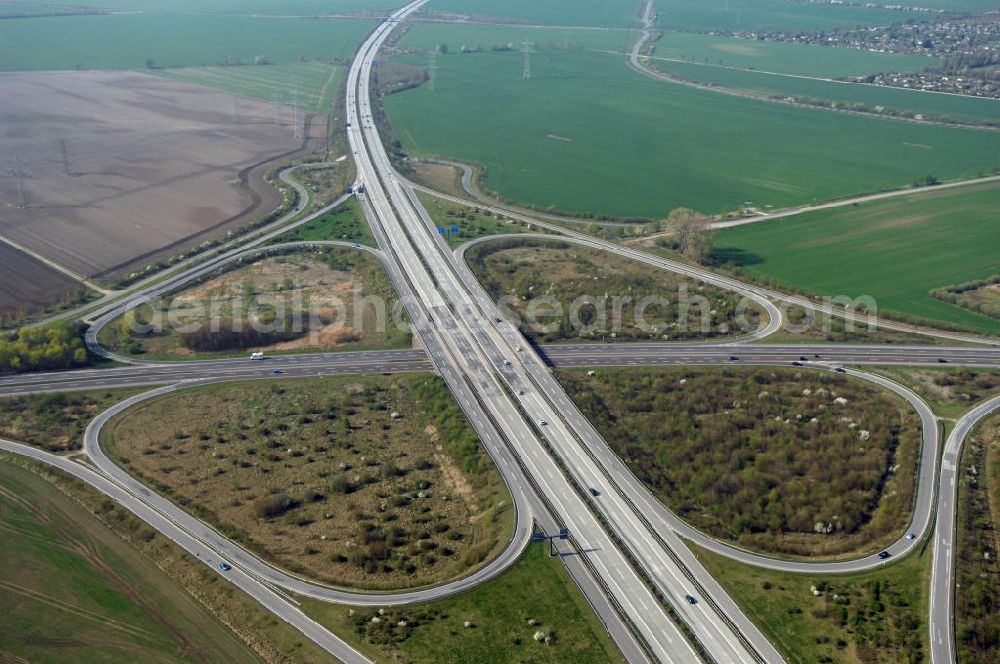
(126,166)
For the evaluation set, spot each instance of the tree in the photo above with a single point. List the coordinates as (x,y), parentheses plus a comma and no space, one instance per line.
(149,63)
(442,48)
(694,233)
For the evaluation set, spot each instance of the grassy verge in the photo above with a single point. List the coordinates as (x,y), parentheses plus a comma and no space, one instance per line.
(327,182)
(536,596)
(785,461)
(560,292)
(977,572)
(950,392)
(329,298)
(73,591)
(875,617)
(344,223)
(471,223)
(55,421)
(372,482)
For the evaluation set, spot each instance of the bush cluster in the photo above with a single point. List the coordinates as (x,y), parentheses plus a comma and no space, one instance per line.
(44,348)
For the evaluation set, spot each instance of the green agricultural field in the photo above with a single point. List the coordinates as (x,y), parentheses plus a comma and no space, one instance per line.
(930,104)
(536,595)
(642,147)
(606,13)
(72,591)
(316,82)
(122,41)
(784,57)
(876,617)
(486,37)
(894,251)
(20,9)
(283,7)
(775,15)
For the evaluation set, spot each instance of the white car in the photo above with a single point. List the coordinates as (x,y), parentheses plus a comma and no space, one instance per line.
(256,356)
(542,423)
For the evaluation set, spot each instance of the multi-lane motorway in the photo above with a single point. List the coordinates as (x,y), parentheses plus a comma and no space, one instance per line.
(631,562)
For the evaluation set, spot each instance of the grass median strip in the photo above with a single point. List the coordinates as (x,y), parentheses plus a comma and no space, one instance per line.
(532,614)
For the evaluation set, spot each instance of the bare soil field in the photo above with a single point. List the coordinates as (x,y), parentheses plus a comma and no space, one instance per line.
(124,166)
(28,285)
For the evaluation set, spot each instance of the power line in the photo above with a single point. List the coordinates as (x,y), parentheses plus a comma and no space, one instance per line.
(527,48)
(432,70)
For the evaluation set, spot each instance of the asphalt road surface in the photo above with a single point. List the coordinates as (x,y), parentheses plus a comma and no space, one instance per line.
(942,598)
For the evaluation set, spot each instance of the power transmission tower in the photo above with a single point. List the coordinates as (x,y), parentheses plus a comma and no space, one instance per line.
(432,70)
(527,48)
(19,169)
(296,124)
(65,156)
(236,110)
(276,98)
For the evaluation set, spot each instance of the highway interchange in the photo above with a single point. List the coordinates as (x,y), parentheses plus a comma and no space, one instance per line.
(632,564)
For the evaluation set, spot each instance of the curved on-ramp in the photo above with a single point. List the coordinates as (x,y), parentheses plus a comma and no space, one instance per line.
(942,594)
(266,572)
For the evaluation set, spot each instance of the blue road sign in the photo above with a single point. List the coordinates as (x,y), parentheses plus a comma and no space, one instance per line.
(441,230)
(537,537)
(564,533)
(454,229)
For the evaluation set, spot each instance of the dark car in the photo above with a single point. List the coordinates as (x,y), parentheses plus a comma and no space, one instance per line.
(796,364)
(840,370)
(734,358)
(225,567)
(279,371)
(690,599)
(804,358)
(883,555)
(594,492)
(942,360)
